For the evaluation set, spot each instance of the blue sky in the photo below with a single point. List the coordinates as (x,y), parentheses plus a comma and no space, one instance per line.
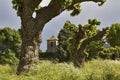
(108,13)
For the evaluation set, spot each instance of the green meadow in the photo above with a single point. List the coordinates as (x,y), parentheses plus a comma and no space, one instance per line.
(47,70)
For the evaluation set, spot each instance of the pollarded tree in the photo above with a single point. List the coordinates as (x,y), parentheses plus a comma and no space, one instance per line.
(32,27)
(68,31)
(82,38)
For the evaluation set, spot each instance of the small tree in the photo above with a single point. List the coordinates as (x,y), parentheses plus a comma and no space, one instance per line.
(64,35)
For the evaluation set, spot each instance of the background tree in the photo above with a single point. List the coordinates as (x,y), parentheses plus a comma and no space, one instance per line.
(10,45)
(32,27)
(64,35)
(112,38)
(113,35)
(110,53)
(93,49)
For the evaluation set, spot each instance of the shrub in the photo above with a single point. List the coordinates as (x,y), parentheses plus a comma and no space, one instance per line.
(110,53)
(8,58)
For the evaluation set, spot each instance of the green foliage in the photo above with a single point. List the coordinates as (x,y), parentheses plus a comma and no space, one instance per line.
(110,53)
(66,2)
(83,32)
(8,58)
(102,2)
(87,30)
(90,29)
(63,37)
(94,22)
(10,42)
(102,70)
(113,35)
(16,4)
(76,9)
(46,70)
(69,34)
(49,56)
(93,49)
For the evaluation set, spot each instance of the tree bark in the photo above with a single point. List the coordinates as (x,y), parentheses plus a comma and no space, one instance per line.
(31,39)
(32,28)
(79,55)
(29,55)
(31,32)
(79,59)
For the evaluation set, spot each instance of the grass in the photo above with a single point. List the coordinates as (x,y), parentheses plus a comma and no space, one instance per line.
(46,70)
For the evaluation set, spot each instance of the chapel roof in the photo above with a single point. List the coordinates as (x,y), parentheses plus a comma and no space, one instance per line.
(52,38)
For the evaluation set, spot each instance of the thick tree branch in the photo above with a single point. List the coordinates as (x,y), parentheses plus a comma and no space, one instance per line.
(98,36)
(54,9)
(79,54)
(80,1)
(79,34)
(45,14)
(27,8)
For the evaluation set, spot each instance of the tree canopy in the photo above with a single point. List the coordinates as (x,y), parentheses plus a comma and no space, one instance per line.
(10,45)
(70,5)
(113,35)
(9,39)
(64,35)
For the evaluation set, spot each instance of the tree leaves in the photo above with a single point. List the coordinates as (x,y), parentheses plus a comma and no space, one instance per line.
(113,35)
(64,35)
(76,9)
(66,2)
(9,39)
(16,4)
(102,2)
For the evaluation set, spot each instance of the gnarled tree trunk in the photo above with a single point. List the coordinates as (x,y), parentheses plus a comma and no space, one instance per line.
(32,27)
(79,55)
(79,58)
(31,40)
(29,52)
(31,31)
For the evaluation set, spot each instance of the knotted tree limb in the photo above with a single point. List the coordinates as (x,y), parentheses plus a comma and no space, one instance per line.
(79,54)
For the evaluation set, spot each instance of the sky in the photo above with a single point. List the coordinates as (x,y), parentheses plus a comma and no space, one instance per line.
(108,13)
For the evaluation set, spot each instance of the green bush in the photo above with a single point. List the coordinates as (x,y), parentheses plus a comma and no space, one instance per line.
(49,55)
(8,58)
(93,49)
(10,45)
(110,53)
